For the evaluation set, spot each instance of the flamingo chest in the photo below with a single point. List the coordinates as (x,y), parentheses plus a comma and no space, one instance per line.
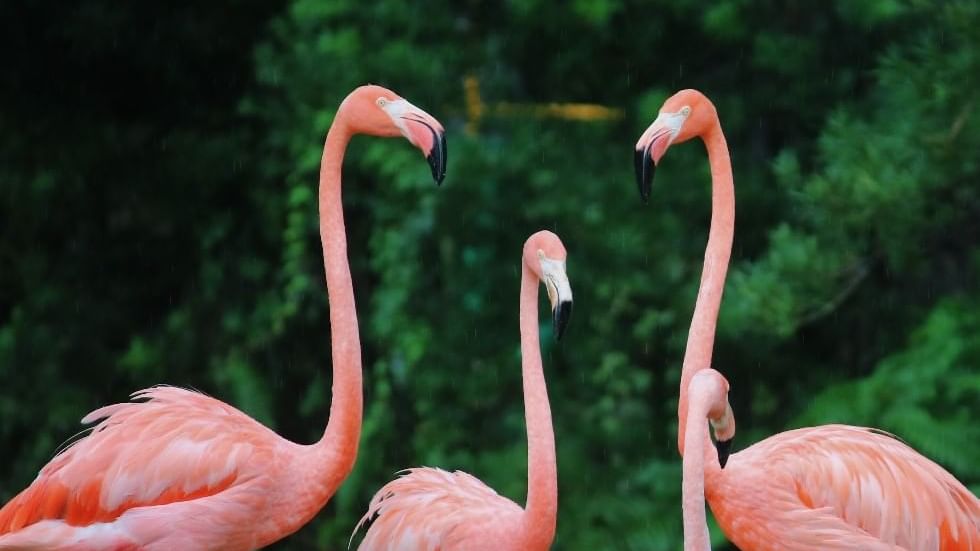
(748,506)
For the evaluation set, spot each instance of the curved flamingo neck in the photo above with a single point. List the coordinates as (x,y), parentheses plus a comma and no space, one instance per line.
(696,536)
(701,337)
(541,510)
(340,438)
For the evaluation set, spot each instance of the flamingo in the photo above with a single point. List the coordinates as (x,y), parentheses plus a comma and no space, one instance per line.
(818,488)
(175,469)
(430,509)
(708,400)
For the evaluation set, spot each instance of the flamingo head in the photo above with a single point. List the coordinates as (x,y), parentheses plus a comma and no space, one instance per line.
(381,112)
(684,115)
(544,255)
(714,388)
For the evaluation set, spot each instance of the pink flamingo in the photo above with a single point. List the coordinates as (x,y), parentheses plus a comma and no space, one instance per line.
(820,488)
(434,510)
(181,470)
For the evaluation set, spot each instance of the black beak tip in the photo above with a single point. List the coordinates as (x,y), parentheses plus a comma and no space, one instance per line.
(643,164)
(437,159)
(562,313)
(724,448)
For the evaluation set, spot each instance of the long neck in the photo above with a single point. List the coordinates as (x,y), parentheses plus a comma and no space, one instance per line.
(541,511)
(701,337)
(319,469)
(692,487)
(338,447)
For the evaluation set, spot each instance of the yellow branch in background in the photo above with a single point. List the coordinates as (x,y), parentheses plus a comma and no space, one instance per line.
(476,109)
(474,105)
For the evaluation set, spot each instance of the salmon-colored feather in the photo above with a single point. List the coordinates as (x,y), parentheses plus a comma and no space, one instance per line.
(833,486)
(429,509)
(176,446)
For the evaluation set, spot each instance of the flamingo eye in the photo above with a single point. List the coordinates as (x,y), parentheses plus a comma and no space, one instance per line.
(685,110)
(382,102)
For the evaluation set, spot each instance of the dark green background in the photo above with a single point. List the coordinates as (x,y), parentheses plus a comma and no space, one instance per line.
(158,225)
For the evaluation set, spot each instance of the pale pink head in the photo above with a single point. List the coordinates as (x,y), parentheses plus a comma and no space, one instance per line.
(544,255)
(684,115)
(711,388)
(378,111)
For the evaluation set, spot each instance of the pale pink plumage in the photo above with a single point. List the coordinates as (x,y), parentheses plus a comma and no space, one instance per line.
(181,470)
(833,487)
(429,509)
(434,510)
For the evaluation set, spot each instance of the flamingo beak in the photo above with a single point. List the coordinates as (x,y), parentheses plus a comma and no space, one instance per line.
(428,136)
(651,147)
(423,131)
(724,429)
(561,314)
(437,158)
(724,448)
(645,168)
(559,294)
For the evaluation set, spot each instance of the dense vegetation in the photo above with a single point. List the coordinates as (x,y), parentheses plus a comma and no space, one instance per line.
(158,224)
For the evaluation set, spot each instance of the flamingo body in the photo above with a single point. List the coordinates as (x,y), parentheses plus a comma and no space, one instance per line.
(179,470)
(840,487)
(430,509)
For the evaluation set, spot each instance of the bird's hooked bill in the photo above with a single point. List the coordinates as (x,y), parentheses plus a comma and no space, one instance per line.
(559,292)
(437,156)
(649,149)
(724,448)
(561,314)
(643,163)
(652,145)
(423,131)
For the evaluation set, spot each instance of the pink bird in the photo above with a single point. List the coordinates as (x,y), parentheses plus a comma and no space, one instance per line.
(181,470)
(434,510)
(820,488)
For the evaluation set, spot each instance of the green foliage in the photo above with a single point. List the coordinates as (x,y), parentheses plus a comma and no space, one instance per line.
(927,393)
(166,231)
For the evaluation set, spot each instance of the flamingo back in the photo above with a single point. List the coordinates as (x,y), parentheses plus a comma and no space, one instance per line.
(177,446)
(427,509)
(842,487)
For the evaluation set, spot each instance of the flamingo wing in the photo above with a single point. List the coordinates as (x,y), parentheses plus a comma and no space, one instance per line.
(175,446)
(429,509)
(833,484)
